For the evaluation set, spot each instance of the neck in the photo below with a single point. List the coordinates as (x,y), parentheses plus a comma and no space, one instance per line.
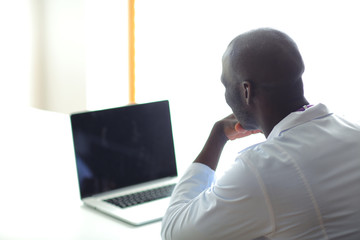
(271,115)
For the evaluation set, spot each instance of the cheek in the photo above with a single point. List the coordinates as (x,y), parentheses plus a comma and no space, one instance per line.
(229,98)
(232,98)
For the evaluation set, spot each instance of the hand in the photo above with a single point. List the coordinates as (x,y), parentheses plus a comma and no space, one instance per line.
(233,129)
(226,129)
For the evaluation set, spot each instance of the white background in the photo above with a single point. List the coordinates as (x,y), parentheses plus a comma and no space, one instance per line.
(71,55)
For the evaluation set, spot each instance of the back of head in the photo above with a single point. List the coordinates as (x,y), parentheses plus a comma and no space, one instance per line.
(269,59)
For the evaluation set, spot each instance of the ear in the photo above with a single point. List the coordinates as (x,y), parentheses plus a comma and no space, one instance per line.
(247,88)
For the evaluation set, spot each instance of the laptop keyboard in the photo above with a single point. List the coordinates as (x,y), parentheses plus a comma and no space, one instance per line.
(142,197)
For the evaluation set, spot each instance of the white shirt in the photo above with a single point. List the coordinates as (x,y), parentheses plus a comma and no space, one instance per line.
(303,182)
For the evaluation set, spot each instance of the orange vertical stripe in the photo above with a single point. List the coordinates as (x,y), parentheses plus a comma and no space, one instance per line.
(131,29)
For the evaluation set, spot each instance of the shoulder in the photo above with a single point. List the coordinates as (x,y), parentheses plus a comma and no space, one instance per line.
(264,153)
(246,173)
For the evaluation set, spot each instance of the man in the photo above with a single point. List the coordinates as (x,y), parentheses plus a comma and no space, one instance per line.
(303,182)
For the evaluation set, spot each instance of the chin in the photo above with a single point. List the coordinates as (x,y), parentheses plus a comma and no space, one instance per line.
(250,127)
(246,121)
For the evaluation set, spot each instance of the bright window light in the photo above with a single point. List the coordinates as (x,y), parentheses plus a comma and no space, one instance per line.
(179,45)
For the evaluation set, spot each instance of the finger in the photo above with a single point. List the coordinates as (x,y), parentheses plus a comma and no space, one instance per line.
(238,127)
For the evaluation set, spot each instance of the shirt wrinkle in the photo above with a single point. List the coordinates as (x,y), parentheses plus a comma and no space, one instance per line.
(308,189)
(267,198)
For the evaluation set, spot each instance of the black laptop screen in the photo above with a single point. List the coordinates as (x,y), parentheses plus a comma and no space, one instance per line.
(123,146)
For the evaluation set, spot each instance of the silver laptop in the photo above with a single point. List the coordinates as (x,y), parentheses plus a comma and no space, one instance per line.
(125,160)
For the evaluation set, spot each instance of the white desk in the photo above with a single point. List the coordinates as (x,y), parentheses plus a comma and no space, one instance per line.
(39,197)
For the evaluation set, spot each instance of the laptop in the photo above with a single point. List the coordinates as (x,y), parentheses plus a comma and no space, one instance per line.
(125,160)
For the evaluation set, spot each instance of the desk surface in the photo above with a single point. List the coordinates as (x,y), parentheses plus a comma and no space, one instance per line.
(39,193)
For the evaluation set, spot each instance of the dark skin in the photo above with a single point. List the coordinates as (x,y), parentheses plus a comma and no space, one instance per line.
(226,129)
(260,92)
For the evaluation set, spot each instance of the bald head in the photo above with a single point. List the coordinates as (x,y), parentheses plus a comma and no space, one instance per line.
(266,56)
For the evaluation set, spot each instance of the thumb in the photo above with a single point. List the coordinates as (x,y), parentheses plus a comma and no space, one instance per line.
(240,129)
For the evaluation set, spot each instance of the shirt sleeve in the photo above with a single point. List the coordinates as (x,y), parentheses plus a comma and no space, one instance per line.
(233,207)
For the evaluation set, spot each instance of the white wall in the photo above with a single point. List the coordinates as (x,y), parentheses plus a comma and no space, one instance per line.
(63,55)
(81,54)
(15,53)
(59,82)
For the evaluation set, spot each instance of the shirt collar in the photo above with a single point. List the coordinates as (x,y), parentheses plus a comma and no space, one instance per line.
(297,118)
